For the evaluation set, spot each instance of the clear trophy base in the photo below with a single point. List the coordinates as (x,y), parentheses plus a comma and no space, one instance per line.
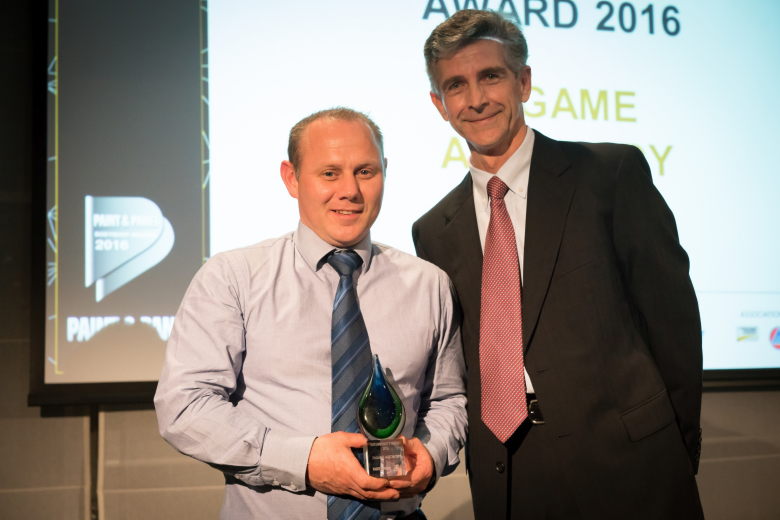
(385,458)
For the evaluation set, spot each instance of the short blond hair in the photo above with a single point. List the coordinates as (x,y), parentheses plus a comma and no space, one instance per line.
(338,114)
(468,26)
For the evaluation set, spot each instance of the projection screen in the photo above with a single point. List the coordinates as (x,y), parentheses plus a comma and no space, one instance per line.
(167,122)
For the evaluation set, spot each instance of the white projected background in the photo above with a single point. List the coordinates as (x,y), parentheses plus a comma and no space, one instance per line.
(702,103)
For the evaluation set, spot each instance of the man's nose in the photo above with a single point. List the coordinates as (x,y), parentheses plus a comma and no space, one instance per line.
(349,188)
(476,98)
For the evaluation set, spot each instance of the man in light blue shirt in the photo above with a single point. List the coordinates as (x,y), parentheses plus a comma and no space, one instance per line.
(255,364)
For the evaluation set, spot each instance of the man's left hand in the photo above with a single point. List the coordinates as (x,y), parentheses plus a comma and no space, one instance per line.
(419,469)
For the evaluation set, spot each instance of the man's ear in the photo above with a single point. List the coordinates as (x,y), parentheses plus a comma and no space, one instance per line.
(525,83)
(439,105)
(288,177)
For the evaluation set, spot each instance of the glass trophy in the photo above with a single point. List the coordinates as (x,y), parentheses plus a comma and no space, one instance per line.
(381,417)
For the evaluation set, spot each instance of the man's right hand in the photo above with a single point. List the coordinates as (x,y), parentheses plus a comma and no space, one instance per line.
(334,470)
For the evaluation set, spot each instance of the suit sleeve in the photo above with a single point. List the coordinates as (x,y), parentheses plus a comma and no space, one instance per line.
(655,269)
(418,243)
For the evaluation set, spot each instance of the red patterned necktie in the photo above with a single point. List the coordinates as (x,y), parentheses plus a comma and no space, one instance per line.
(501,323)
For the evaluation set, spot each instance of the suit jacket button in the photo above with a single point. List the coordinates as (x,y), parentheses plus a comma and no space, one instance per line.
(500,467)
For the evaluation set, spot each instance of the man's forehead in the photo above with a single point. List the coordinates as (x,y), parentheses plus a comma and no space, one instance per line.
(330,130)
(333,138)
(475,57)
(491,49)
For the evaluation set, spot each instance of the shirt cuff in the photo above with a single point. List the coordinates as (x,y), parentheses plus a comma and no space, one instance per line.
(438,450)
(284,459)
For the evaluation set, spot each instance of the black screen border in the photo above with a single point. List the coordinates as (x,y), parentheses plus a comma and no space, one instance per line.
(142,392)
(44,394)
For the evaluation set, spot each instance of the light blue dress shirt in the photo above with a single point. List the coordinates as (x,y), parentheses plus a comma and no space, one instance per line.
(246,385)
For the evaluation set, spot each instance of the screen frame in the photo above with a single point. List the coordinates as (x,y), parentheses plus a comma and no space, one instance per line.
(142,392)
(40,393)
(742,379)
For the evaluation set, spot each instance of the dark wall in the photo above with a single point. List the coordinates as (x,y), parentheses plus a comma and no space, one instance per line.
(42,460)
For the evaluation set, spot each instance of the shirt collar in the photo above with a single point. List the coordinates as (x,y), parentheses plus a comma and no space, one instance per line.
(514,172)
(314,250)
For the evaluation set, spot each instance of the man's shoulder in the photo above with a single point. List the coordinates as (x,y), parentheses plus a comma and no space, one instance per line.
(252,254)
(581,152)
(406,263)
(435,217)
(613,151)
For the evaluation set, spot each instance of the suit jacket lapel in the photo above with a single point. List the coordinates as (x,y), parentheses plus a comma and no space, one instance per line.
(461,234)
(549,199)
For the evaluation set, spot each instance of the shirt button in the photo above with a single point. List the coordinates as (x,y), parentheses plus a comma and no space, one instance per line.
(293,487)
(500,467)
(275,482)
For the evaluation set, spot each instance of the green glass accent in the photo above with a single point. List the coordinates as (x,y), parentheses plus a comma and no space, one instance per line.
(381,412)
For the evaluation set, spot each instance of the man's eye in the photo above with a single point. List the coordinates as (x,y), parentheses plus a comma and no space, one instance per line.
(329,174)
(365,172)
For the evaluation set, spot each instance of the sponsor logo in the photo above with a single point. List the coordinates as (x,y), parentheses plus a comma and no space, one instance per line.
(760,314)
(747,333)
(774,337)
(125,237)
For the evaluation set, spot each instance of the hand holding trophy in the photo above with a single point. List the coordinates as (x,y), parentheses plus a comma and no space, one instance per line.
(381,417)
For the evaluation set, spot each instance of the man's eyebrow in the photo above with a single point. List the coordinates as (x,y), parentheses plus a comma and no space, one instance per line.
(481,73)
(367,165)
(450,81)
(492,70)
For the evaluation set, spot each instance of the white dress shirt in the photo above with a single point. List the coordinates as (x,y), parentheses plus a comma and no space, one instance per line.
(246,385)
(514,173)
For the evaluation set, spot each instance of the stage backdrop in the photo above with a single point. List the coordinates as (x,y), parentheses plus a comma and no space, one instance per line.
(168,122)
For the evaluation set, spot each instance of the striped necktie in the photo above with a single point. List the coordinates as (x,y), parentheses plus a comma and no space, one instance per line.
(351,369)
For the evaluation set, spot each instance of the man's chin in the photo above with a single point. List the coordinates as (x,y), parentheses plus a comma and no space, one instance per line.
(346,239)
(486,140)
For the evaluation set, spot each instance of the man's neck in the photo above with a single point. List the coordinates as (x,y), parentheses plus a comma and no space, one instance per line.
(492,160)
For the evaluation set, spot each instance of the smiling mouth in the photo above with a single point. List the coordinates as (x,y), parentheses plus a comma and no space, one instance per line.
(483,118)
(346,212)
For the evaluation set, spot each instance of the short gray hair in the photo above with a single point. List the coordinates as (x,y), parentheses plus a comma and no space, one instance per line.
(468,26)
(338,114)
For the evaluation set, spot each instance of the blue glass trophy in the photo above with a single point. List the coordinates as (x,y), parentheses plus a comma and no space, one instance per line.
(381,417)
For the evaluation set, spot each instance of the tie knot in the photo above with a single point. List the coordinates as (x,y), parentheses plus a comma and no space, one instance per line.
(345,262)
(496,188)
